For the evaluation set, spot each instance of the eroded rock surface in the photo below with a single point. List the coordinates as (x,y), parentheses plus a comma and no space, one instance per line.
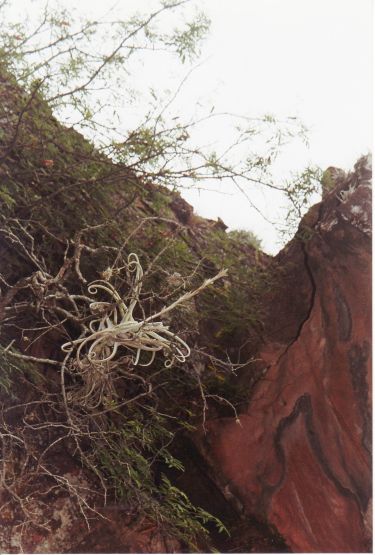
(300,457)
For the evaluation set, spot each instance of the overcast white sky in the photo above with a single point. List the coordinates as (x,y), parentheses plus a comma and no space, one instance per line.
(305,58)
(309,58)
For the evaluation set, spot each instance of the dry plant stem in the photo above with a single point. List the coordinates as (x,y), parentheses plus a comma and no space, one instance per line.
(187,296)
(76,431)
(33,359)
(223,400)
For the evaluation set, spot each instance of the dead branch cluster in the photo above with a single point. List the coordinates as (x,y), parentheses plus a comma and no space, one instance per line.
(99,353)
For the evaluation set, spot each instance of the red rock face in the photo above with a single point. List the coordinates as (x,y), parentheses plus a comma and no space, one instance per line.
(300,457)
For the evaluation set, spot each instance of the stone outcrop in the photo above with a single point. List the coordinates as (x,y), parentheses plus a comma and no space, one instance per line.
(300,455)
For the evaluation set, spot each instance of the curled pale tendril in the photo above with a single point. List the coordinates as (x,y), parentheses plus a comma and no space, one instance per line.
(114,326)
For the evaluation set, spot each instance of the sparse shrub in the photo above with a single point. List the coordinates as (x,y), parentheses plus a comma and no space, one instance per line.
(246,237)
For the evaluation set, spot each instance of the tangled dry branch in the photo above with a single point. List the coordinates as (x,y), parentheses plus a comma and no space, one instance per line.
(109,373)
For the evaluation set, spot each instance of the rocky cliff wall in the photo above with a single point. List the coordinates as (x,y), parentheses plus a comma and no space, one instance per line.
(300,455)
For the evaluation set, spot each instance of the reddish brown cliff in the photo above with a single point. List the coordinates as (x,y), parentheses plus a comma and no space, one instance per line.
(300,456)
